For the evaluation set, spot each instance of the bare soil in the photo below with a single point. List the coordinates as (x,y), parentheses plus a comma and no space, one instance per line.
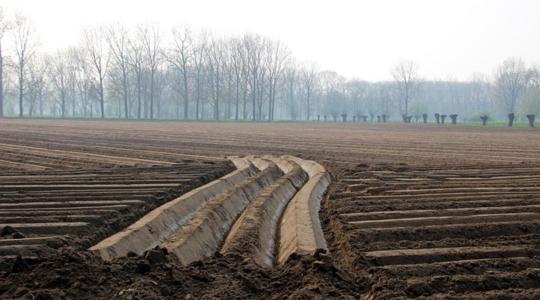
(414,211)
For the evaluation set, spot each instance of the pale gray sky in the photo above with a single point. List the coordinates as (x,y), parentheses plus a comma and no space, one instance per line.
(362,38)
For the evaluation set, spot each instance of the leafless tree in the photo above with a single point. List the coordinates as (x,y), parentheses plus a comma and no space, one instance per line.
(60,77)
(309,77)
(24,50)
(198,75)
(95,45)
(533,76)
(479,94)
(237,61)
(180,55)
(215,63)
(253,47)
(405,74)
(37,83)
(118,39)
(510,83)
(276,56)
(136,61)
(199,62)
(83,80)
(5,26)
(151,39)
(290,89)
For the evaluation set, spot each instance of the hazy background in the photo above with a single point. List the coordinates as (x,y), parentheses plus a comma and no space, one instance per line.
(362,39)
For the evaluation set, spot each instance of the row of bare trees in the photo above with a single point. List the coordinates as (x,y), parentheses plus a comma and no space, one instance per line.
(150,73)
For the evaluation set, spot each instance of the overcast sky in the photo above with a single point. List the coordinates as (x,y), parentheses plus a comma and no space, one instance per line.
(449,39)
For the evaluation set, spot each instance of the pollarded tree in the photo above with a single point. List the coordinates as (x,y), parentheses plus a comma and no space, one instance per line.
(405,74)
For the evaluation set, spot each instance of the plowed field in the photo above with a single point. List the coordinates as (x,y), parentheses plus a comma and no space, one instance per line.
(412,211)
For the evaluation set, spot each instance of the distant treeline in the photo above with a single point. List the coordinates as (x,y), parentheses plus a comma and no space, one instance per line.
(149,73)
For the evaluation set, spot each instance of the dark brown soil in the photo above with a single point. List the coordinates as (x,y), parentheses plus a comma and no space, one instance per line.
(78,274)
(391,171)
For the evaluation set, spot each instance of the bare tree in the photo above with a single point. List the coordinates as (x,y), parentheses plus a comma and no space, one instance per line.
(405,74)
(291,88)
(277,55)
(24,50)
(215,64)
(510,83)
(37,83)
(118,39)
(83,80)
(180,56)
(199,61)
(5,26)
(236,52)
(151,39)
(357,92)
(479,93)
(533,76)
(136,61)
(309,77)
(253,48)
(60,77)
(95,45)
(248,77)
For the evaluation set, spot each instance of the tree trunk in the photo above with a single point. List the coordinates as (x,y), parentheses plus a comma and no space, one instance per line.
(237,99)
(186,96)
(139,96)
(126,108)
(308,105)
(245,101)
(63,104)
(101,97)
(21,89)
(198,102)
(152,95)
(254,100)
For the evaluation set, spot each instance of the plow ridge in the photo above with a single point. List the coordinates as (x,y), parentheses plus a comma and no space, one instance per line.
(245,213)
